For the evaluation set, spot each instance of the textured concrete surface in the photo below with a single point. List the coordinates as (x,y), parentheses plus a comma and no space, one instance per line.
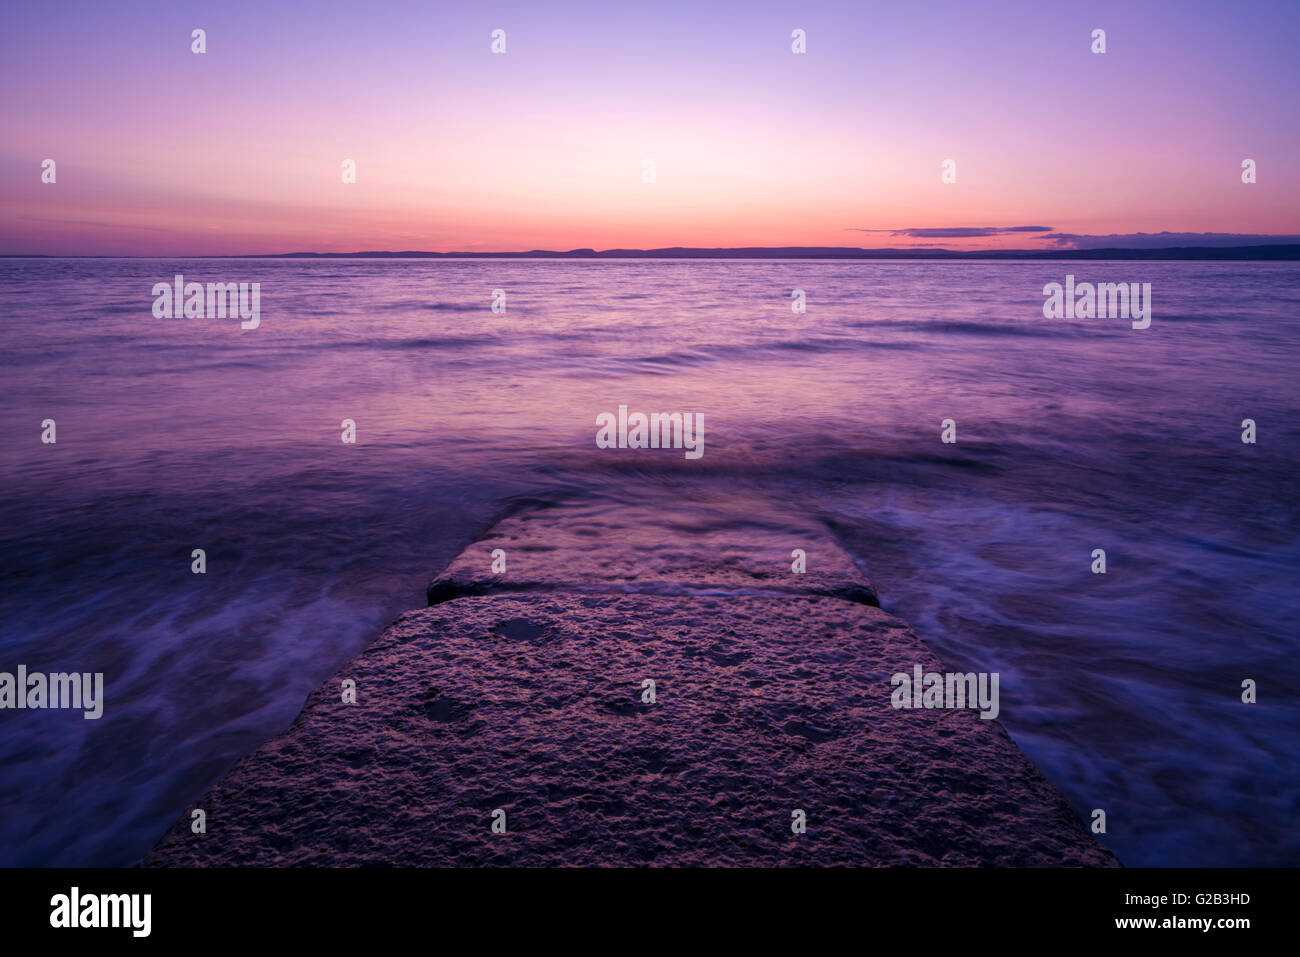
(616,548)
(771,696)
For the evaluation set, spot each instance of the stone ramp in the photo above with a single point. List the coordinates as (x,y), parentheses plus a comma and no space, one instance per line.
(660,548)
(529,699)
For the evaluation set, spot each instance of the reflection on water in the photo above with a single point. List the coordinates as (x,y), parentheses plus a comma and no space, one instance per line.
(183,434)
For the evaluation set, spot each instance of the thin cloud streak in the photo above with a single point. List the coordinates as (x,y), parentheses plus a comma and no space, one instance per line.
(953,232)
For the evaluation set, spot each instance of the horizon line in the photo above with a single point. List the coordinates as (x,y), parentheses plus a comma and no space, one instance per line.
(1255,251)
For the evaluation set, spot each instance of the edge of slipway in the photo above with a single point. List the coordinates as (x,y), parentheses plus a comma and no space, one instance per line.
(613,684)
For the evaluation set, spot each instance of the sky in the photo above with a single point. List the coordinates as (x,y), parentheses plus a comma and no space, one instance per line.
(239,150)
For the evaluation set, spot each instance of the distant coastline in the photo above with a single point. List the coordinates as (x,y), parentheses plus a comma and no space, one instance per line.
(1276,252)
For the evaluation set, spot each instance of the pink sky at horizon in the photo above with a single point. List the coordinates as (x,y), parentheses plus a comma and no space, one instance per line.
(239,150)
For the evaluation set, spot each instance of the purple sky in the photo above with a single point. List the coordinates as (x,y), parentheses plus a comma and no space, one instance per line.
(239,150)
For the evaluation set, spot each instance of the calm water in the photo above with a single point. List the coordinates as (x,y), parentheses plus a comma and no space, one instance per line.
(1073,434)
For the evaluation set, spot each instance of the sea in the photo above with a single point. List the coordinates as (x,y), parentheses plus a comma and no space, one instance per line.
(1072,435)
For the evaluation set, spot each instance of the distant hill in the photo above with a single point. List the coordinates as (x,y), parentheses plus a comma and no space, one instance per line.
(1266,252)
(1289,251)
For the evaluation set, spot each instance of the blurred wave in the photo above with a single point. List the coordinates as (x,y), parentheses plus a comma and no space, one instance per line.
(183,434)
